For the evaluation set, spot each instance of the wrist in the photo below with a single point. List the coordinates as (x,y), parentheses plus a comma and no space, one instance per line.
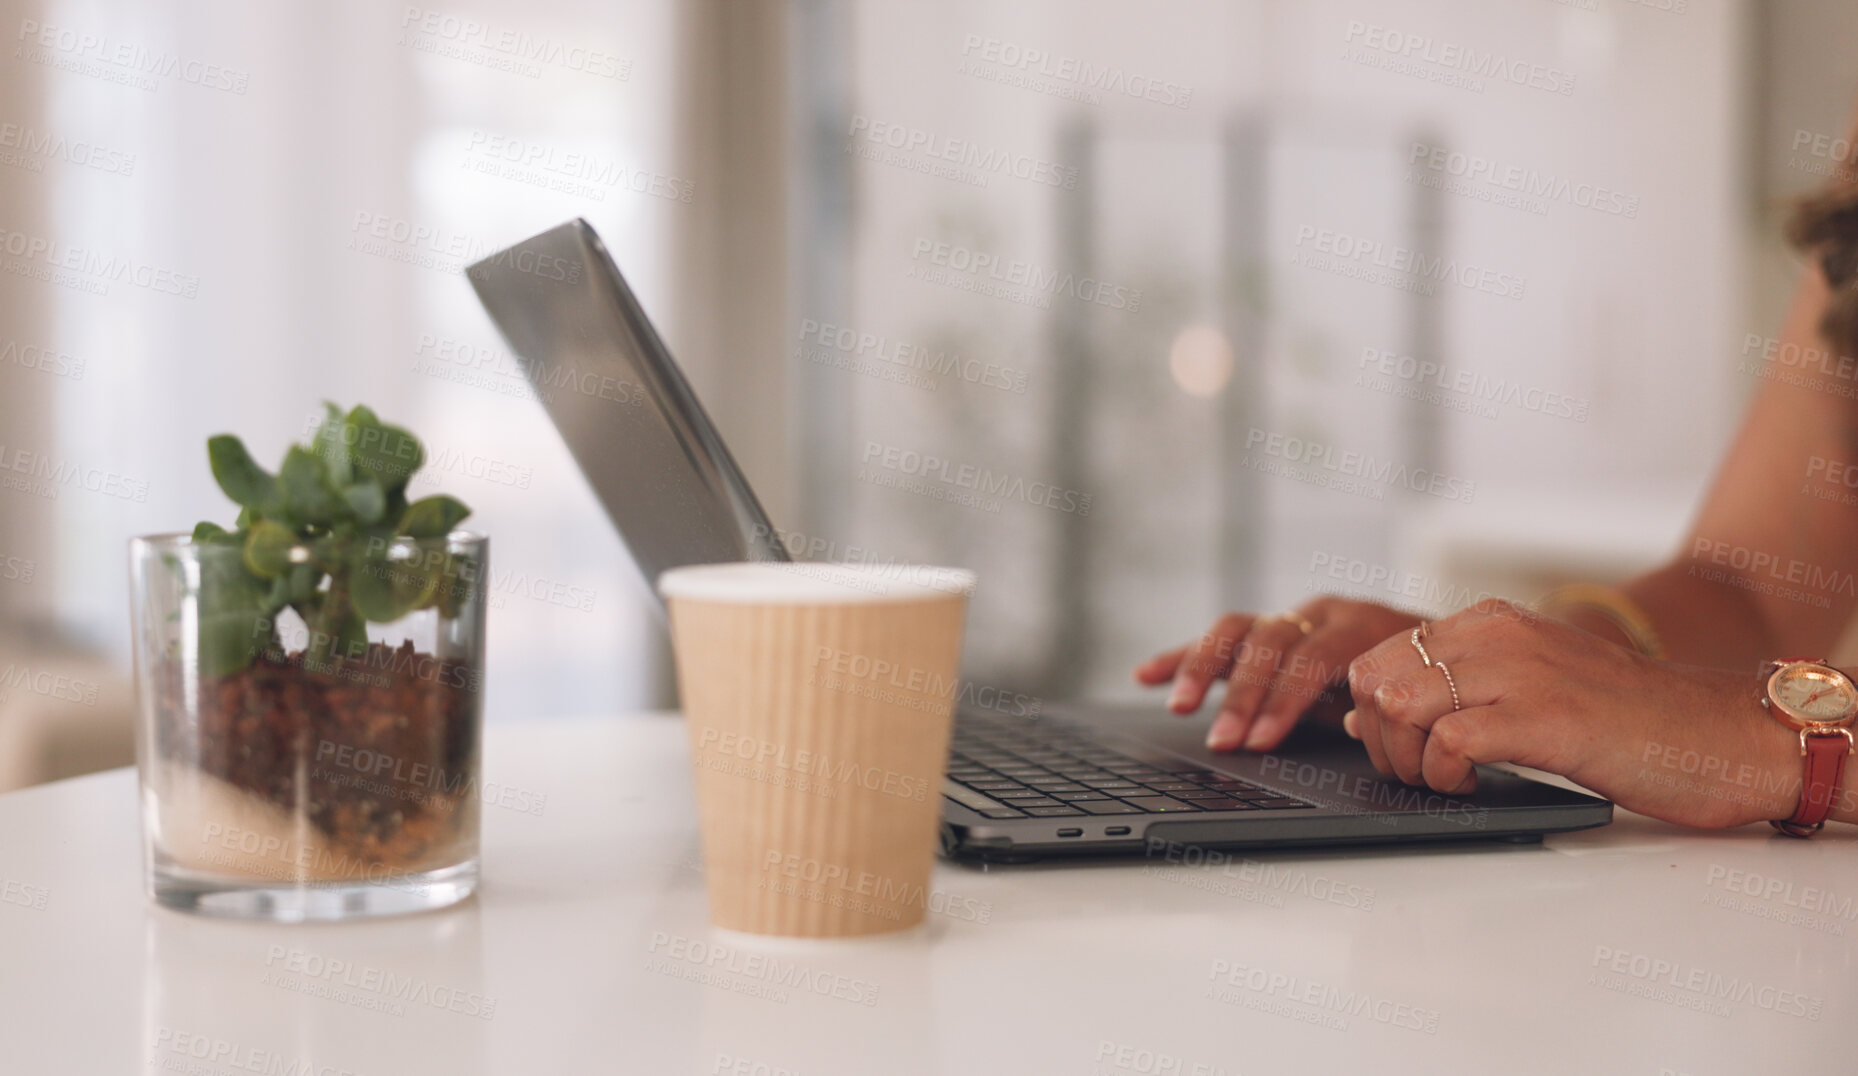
(1586,604)
(1782,775)
(1814,705)
(1594,623)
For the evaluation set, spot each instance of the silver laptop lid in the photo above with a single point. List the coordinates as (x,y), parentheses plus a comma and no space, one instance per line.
(631,420)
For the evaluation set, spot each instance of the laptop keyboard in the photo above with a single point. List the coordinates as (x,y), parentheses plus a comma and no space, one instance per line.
(1004,769)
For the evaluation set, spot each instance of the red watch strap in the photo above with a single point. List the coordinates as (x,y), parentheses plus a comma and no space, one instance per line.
(1825,765)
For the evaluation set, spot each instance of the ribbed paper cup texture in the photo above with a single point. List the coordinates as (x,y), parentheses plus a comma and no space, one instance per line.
(819,701)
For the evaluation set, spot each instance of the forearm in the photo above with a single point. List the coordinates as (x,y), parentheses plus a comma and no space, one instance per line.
(1769,568)
(1681,613)
(1703,618)
(1747,769)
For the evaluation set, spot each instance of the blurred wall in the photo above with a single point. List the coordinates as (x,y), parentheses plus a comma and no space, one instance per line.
(774,176)
(1272,142)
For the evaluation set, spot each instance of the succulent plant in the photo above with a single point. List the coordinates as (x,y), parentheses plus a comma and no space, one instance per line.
(322,536)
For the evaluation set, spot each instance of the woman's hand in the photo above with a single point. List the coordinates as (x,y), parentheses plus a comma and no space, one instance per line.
(1278,666)
(1687,745)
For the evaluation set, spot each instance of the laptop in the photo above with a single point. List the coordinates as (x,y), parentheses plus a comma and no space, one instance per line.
(1075,780)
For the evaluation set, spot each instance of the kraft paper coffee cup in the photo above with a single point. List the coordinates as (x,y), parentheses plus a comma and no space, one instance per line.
(819,700)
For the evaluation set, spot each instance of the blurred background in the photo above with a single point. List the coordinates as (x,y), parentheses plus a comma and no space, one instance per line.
(1143,310)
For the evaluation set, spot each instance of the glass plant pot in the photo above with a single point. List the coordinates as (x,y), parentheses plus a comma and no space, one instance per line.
(308,738)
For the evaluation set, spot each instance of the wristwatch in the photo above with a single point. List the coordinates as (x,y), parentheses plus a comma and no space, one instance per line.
(1821,703)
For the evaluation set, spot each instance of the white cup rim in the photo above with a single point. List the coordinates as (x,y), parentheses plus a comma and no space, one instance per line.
(807,583)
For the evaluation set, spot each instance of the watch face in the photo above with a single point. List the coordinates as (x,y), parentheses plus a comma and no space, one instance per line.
(1814,692)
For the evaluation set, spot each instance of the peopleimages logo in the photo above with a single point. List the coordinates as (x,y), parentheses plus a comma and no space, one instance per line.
(517,50)
(95,270)
(407,990)
(195,1052)
(960,153)
(825,882)
(1030,276)
(913,687)
(35,146)
(755,974)
(44,476)
(1326,1003)
(1525,183)
(1658,979)
(48,684)
(22,894)
(126,62)
(1753,563)
(1451,56)
(1377,799)
(979,480)
(574,172)
(823,768)
(1270,876)
(1830,480)
(1376,262)
(1799,356)
(1342,574)
(1125,1057)
(42,359)
(1807,898)
(17,569)
(853,348)
(1359,465)
(1454,385)
(1063,76)
(397,776)
(1826,147)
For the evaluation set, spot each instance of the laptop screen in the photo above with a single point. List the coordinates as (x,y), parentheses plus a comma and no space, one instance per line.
(631,420)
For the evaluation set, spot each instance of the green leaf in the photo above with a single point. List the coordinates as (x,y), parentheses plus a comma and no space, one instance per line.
(269,548)
(462,573)
(304,579)
(226,582)
(278,596)
(307,495)
(387,454)
(385,590)
(310,608)
(337,630)
(371,588)
(233,622)
(315,538)
(229,639)
(249,485)
(332,447)
(366,501)
(341,634)
(433,517)
(396,507)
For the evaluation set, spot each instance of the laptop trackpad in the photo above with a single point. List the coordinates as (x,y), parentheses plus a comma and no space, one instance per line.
(1318,762)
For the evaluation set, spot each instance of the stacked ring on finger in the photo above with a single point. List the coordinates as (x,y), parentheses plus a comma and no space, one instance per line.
(1302,622)
(1419,633)
(1451,683)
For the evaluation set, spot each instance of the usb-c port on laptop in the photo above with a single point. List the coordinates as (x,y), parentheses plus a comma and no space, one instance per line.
(1116,831)
(1070,833)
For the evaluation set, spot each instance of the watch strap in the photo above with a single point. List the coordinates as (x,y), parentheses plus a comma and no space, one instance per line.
(1825,753)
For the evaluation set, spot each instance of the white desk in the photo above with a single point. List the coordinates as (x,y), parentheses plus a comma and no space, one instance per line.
(579,942)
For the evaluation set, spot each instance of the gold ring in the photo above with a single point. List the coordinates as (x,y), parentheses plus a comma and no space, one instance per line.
(1302,622)
(1453,684)
(1421,647)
